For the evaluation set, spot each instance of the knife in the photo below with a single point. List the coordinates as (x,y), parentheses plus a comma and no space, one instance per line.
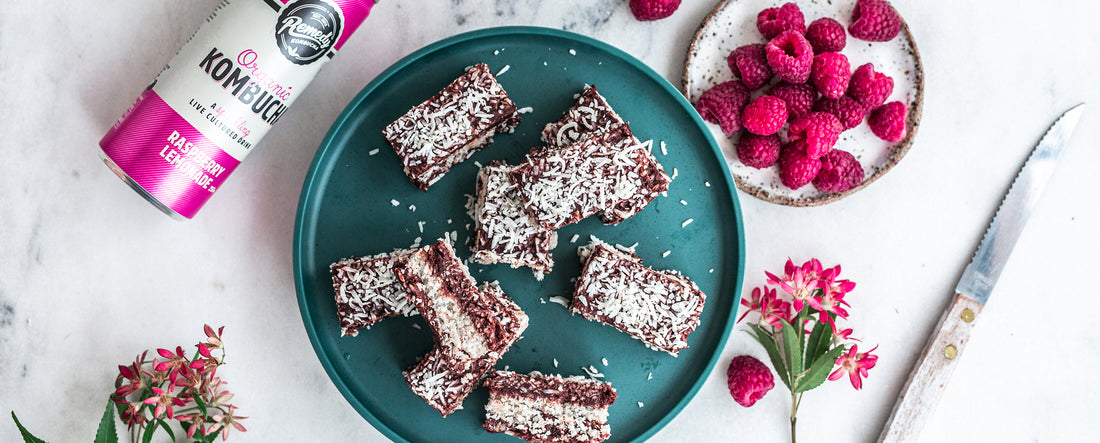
(929,377)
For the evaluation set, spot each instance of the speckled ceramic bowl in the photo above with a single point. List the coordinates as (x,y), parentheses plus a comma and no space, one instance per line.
(733,23)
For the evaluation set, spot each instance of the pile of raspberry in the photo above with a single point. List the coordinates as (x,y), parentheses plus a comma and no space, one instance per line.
(799,80)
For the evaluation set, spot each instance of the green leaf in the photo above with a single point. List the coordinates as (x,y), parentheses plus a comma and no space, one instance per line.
(201,404)
(106,432)
(167,429)
(820,338)
(820,370)
(792,348)
(27,437)
(150,427)
(772,348)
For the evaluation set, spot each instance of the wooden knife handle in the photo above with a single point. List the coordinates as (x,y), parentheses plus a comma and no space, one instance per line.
(926,383)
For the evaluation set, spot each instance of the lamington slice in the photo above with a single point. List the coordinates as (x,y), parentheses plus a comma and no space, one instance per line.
(589,116)
(503,231)
(611,172)
(548,408)
(660,308)
(465,322)
(367,290)
(449,127)
(444,382)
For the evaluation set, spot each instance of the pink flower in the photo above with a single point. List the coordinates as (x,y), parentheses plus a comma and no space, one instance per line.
(770,307)
(226,420)
(829,300)
(164,401)
(799,282)
(855,364)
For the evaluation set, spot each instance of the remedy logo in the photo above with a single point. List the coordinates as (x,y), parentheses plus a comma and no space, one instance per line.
(307,30)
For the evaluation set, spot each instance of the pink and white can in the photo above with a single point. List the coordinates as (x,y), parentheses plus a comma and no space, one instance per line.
(221,93)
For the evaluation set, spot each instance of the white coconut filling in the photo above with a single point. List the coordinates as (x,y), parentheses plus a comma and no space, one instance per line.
(541,417)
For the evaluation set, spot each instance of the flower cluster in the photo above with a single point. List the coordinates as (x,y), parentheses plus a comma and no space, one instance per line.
(175,387)
(822,291)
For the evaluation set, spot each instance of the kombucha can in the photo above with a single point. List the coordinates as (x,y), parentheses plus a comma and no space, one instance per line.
(233,79)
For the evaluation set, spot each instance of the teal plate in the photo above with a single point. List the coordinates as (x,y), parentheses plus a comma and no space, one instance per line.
(347,208)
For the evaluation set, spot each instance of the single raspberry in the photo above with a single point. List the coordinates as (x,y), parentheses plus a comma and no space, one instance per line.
(826,35)
(831,73)
(765,115)
(722,104)
(846,109)
(795,167)
(758,151)
(749,64)
(840,171)
(799,98)
(817,132)
(648,10)
(875,21)
(748,379)
(790,57)
(870,88)
(773,21)
(888,121)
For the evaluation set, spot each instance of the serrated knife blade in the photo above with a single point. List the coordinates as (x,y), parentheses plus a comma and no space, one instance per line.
(985,268)
(929,377)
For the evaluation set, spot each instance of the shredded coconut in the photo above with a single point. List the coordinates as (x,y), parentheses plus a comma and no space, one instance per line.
(664,151)
(560,300)
(503,70)
(574,239)
(686,222)
(665,254)
(373,151)
(525,110)
(395,202)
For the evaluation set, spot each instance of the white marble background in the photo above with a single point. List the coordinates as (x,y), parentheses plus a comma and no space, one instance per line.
(90,274)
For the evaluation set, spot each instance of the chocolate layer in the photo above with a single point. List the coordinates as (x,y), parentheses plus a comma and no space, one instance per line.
(548,408)
(589,116)
(503,231)
(660,308)
(449,127)
(367,291)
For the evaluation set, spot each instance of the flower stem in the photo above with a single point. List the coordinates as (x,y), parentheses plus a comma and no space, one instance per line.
(796,399)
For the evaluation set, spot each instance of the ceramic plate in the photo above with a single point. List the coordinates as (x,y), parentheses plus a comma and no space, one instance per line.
(347,208)
(733,23)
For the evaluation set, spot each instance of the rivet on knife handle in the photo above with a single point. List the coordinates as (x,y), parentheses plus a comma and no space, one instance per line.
(929,377)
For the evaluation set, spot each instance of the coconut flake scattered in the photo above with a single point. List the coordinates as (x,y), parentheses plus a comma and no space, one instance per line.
(503,70)
(604,361)
(665,254)
(412,208)
(592,372)
(560,300)
(683,203)
(395,202)
(420,225)
(650,376)
(574,239)
(675,172)
(373,151)
(417,326)
(416,242)
(542,300)
(711,270)
(555,362)
(664,151)
(686,222)
(448,221)
(572,52)
(707,184)
(478,164)
(525,110)
(640,405)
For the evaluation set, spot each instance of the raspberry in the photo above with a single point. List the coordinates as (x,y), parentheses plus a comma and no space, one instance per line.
(790,57)
(773,21)
(870,88)
(749,64)
(888,121)
(816,132)
(758,151)
(826,35)
(648,10)
(795,167)
(846,109)
(765,115)
(722,104)
(840,171)
(748,380)
(799,98)
(831,73)
(875,21)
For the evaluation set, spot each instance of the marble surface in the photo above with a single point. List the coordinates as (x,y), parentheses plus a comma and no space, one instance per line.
(90,274)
